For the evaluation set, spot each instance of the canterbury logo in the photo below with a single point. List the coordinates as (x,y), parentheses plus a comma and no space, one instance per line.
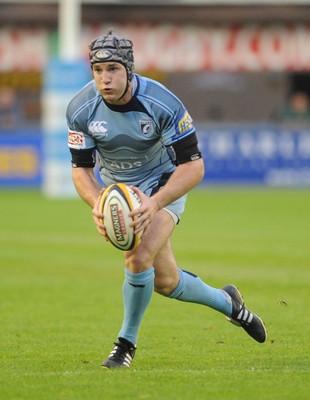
(97,127)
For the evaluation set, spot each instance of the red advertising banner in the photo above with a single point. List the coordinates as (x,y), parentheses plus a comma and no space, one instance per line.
(248,48)
(178,48)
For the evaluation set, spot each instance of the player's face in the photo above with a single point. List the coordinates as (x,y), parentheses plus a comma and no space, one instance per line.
(111,81)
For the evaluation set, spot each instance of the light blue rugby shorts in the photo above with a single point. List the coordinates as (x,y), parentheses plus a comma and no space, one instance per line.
(175,209)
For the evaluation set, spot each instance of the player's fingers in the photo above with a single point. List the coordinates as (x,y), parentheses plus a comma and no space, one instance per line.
(141,228)
(98,220)
(101,230)
(97,214)
(138,192)
(140,223)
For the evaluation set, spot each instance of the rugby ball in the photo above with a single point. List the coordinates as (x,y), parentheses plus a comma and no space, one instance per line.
(115,204)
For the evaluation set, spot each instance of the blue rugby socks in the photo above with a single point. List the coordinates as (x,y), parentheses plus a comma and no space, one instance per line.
(138,290)
(193,290)
(137,293)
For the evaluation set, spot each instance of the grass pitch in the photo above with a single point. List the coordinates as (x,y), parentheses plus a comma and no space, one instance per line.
(61,305)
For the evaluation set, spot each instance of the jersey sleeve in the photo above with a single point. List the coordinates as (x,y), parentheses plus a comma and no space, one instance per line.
(177,130)
(178,135)
(174,120)
(78,137)
(80,143)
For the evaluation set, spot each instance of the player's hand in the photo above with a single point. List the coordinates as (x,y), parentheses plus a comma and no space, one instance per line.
(98,216)
(145,213)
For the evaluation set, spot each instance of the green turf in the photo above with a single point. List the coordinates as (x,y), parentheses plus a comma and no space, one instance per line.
(61,305)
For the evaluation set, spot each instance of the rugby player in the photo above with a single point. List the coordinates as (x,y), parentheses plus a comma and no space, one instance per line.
(144,137)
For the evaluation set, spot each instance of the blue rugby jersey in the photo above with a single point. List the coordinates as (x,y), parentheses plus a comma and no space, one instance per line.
(132,140)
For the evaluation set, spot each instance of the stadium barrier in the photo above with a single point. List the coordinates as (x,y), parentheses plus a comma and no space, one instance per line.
(254,154)
(21,159)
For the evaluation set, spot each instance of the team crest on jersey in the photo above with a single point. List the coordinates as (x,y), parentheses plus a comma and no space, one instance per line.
(98,127)
(146,127)
(76,140)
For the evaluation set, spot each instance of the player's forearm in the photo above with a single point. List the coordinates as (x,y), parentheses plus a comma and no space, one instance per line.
(184,179)
(86,184)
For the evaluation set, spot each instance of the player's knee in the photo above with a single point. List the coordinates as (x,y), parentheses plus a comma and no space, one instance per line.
(138,262)
(165,285)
